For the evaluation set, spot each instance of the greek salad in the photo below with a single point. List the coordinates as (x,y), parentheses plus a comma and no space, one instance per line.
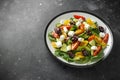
(79,39)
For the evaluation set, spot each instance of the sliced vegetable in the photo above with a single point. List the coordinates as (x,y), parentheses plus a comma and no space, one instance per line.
(78,17)
(73,28)
(90,22)
(84,43)
(63,48)
(51,38)
(79,31)
(92,42)
(82,27)
(105,39)
(55,35)
(54,44)
(75,45)
(98,39)
(97,51)
(91,37)
(66,22)
(78,55)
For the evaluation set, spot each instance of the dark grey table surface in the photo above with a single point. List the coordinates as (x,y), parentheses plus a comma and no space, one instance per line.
(23,54)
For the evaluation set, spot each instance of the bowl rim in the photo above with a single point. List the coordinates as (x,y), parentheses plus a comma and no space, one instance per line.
(79,66)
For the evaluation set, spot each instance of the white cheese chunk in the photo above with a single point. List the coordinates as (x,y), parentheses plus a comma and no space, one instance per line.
(78,23)
(71,33)
(80,20)
(81,39)
(102,35)
(65,29)
(59,44)
(93,47)
(86,25)
(62,37)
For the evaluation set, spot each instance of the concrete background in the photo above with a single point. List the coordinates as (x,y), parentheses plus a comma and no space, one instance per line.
(23,54)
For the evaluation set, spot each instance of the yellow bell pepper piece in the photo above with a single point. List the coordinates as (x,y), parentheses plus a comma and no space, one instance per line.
(90,22)
(79,31)
(78,55)
(98,39)
(65,34)
(103,44)
(84,43)
(54,44)
(67,22)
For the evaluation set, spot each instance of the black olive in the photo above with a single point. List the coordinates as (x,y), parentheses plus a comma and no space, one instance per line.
(85,52)
(71,55)
(89,32)
(101,29)
(74,38)
(58,31)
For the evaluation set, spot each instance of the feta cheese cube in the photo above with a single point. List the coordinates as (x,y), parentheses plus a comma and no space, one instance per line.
(71,33)
(81,39)
(93,47)
(80,20)
(102,35)
(65,29)
(86,25)
(59,44)
(62,37)
(78,23)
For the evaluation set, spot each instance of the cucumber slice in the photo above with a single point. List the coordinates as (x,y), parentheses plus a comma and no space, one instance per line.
(92,42)
(63,48)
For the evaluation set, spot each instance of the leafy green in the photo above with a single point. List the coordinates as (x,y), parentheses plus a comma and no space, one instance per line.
(80,48)
(94,31)
(63,48)
(96,24)
(69,42)
(73,28)
(64,55)
(51,38)
(84,35)
(81,35)
(92,42)
(58,52)
(98,57)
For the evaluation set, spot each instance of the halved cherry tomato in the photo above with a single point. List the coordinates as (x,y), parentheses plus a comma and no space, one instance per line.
(75,45)
(91,37)
(81,30)
(105,39)
(97,51)
(82,27)
(55,35)
(78,17)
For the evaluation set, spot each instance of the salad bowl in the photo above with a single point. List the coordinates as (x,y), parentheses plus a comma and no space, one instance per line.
(88,51)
